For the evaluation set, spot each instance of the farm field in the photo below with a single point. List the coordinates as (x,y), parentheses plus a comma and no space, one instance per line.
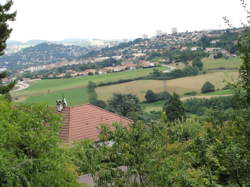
(74,89)
(180,86)
(157,106)
(231,63)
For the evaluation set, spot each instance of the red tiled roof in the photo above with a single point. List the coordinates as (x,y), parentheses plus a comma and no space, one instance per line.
(82,122)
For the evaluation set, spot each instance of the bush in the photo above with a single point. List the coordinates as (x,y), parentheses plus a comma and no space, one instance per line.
(190,93)
(199,106)
(150,96)
(99,103)
(207,87)
(197,63)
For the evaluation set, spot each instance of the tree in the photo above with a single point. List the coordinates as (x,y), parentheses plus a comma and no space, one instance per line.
(150,96)
(197,63)
(127,105)
(5,89)
(174,108)
(244,48)
(30,151)
(207,87)
(204,41)
(5,17)
(141,155)
(99,103)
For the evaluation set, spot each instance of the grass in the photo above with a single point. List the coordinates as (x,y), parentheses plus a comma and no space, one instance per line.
(180,86)
(47,91)
(231,63)
(220,92)
(156,106)
(73,96)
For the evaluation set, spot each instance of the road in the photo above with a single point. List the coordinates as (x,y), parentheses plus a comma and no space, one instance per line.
(21,85)
(170,68)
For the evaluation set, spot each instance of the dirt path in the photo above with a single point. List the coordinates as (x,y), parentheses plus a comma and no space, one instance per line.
(21,86)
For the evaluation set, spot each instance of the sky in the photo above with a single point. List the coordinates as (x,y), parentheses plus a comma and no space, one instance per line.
(118,19)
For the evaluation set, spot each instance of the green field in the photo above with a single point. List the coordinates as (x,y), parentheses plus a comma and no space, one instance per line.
(74,89)
(220,92)
(180,85)
(231,63)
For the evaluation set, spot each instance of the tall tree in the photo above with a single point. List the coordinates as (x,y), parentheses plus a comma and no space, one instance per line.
(127,105)
(5,17)
(244,48)
(174,108)
(150,96)
(197,63)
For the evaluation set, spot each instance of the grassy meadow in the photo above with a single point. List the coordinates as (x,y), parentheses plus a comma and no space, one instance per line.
(231,63)
(74,89)
(180,85)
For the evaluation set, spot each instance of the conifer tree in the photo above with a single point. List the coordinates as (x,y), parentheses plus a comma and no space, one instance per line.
(5,17)
(174,108)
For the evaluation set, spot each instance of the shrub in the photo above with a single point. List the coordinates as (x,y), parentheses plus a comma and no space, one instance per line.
(150,96)
(207,87)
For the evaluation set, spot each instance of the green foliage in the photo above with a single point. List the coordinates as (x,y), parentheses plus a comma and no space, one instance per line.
(140,155)
(127,105)
(150,96)
(5,17)
(177,73)
(93,96)
(91,85)
(174,109)
(200,106)
(30,150)
(222,152)
(244,48)
(197,63)
(207,87)
(5,89)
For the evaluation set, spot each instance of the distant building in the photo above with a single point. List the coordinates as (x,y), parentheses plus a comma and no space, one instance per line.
(174,30)
(130,66)
(146,64)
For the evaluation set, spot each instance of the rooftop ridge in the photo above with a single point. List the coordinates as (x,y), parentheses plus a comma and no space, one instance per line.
(125,118)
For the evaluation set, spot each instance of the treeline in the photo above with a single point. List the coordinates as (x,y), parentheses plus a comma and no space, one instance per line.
(200,106)
(75,67)
(177,73)
(177,55)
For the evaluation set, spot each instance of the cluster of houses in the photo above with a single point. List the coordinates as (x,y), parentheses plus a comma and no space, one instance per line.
(105,70)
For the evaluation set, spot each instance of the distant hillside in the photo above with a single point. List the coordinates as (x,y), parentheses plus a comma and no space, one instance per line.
(170,46)
(44,53)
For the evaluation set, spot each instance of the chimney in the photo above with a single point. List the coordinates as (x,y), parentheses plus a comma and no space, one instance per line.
(61,104)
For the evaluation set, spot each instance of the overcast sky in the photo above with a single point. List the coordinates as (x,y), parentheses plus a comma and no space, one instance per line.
(118,19)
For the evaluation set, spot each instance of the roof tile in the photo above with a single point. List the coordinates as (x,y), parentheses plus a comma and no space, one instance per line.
(82,122)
